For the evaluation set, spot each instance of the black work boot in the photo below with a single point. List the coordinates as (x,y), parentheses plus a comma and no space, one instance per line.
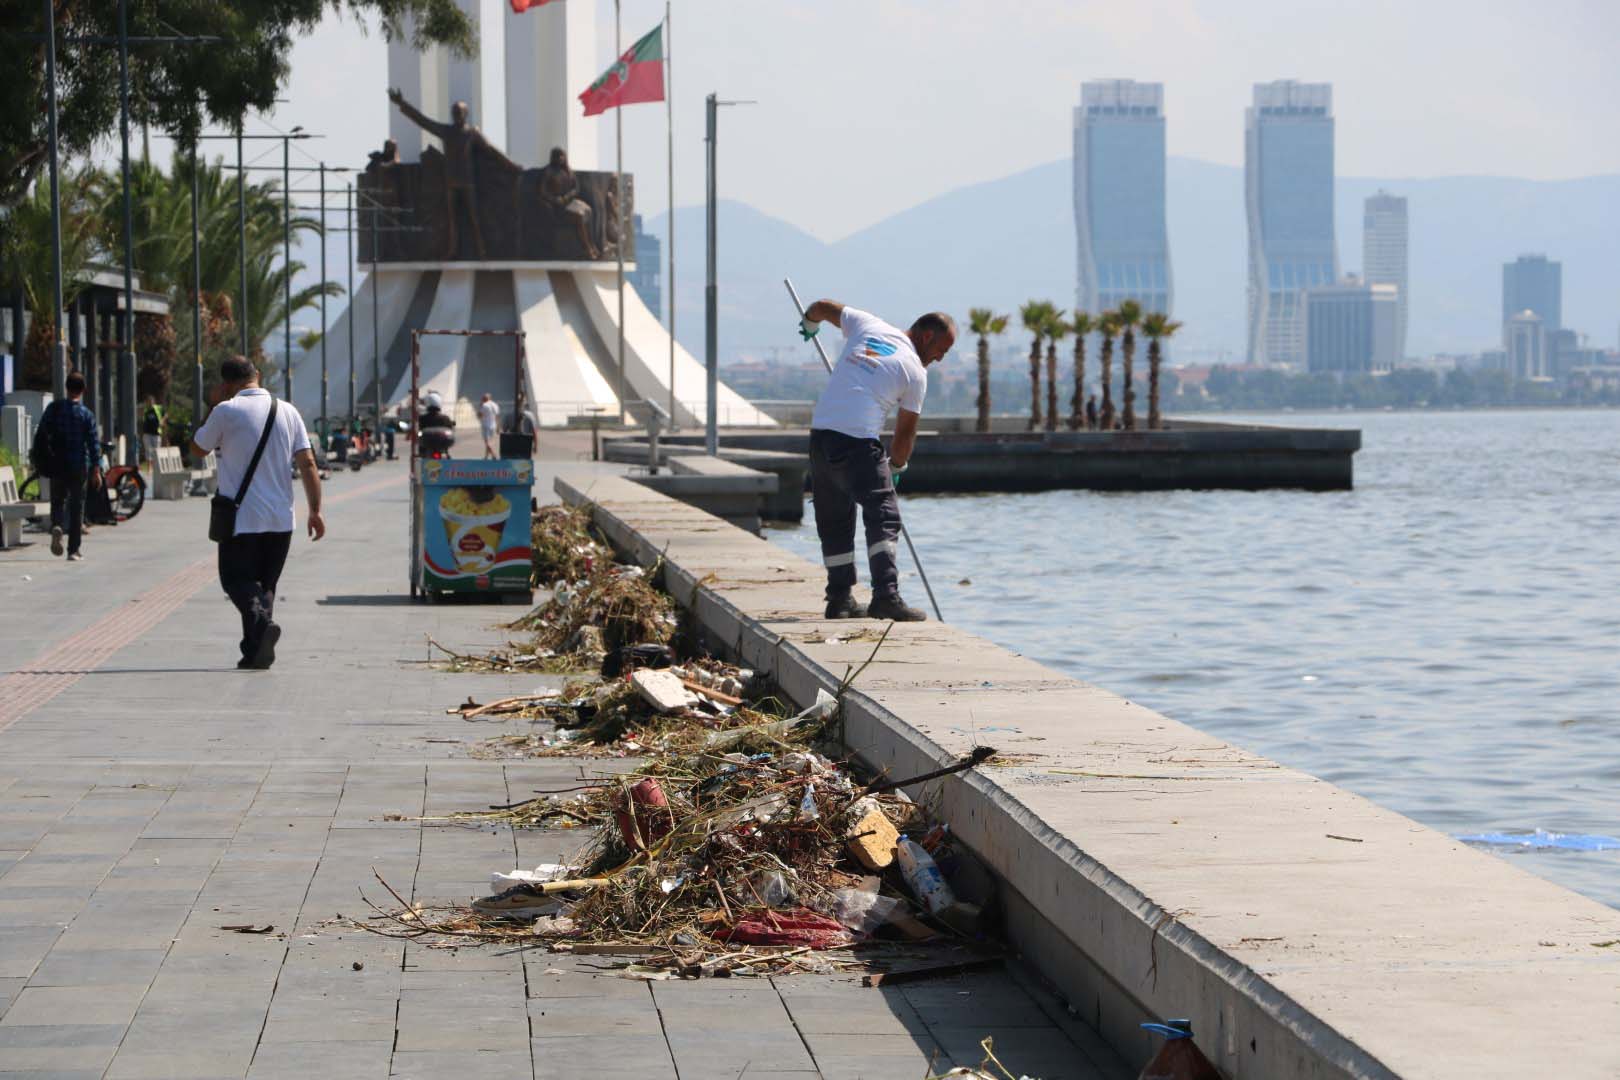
(844,606)
(893,608)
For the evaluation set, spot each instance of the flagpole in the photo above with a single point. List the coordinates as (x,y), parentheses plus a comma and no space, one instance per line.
(669,116)
(618,189)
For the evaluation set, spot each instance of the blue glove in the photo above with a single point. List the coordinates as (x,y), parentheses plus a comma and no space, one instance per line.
(808,329)
(896,473)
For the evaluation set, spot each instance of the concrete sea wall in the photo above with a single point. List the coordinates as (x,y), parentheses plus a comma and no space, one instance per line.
(1152,870)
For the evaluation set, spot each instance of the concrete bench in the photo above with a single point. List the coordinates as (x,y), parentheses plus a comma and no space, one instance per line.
(13,511)
(172,479)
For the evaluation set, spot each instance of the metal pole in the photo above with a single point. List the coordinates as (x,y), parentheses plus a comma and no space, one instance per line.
(711,295)
(58,350)
(286,264)
(348,245)
(324,429)
(669,115)
(241,244)
(196,303)
(798,305)
(126,356)
(376,340)
(618,202)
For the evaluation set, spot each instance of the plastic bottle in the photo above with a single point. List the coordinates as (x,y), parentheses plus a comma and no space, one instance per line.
(1179,1058)
(923,876)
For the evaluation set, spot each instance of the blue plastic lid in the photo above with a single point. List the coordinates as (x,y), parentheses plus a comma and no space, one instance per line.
(1171,1029)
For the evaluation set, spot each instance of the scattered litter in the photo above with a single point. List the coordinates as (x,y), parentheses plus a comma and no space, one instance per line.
(358,965)
(249,928)
(1179,1058)
(1347,839)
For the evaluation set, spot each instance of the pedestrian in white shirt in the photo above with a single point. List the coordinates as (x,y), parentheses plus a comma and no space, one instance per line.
(489,418)
(251,561)
(880,368)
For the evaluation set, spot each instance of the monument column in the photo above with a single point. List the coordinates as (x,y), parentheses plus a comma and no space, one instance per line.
(550,58)
(424,78)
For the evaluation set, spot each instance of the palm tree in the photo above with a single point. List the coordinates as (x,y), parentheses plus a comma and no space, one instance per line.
(25,258)
(984,322)
(1108,327)
(1056,328)
(1034,315)
(1130,317)
(1157,327)
(1082,324)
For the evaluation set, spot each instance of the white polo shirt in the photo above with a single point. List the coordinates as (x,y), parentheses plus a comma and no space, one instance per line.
(877,370)
(233,430)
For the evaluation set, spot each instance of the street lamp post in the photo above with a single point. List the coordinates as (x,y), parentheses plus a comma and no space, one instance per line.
(58,349)
(196,302)
(126,355)
(711,289)
(348,246)
(324,422)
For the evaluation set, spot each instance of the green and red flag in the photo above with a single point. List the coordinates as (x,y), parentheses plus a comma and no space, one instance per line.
(520,6)
(637,77)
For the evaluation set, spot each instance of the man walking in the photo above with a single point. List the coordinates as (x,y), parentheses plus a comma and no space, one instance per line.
(880,367)
(489,418)
(250,561)
(71,446)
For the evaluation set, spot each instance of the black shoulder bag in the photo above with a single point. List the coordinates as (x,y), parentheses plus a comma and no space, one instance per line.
(222,509)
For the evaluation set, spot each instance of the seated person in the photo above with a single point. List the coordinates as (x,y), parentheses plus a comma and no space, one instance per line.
(438,430)
(559,190)
(340,444)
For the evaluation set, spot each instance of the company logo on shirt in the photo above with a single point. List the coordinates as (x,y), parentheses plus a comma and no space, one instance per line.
(870,351)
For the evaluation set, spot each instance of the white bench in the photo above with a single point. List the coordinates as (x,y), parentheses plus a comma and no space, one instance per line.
(14,512)
(172,480)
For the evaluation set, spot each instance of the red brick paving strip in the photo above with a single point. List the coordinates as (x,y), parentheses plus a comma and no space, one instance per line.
(48,675)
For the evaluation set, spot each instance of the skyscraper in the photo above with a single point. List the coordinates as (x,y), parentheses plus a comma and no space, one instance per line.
(1384,254)
(1119,196)
(1350,327)
(1534,283)
(1288,179)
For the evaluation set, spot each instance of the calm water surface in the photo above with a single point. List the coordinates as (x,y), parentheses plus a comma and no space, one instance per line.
(1443,639)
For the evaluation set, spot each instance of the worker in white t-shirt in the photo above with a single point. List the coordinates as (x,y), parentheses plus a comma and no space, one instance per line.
(251,560)
(880,368)
(489,418)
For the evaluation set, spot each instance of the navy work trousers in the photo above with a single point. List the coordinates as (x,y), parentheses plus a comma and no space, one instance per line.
(846,472)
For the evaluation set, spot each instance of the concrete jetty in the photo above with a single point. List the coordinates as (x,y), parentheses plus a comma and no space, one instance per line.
(1153,870)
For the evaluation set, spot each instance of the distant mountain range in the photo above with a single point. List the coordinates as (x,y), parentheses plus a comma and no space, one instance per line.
(1003,242)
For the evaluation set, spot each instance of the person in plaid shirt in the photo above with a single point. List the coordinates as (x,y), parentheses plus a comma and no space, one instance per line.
(75,446)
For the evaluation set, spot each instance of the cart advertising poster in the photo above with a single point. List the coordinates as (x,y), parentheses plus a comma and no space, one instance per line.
(475,525)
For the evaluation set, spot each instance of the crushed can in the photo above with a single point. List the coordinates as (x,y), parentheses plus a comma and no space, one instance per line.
(1179,1058)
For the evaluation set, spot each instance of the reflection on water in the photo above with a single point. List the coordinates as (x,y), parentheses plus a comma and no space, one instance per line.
(1443,639)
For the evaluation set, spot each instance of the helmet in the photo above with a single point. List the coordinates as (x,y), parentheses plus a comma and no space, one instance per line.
(433,400)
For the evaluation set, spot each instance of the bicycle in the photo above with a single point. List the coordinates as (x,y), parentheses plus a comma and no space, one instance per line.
(124,485)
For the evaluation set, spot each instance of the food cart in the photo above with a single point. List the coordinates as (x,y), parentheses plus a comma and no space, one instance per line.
(470,517)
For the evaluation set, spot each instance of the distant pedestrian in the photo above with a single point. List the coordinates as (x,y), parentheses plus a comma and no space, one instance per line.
(1091,412)
(881,367)
(436,432)
(151,430)
(252,558)
(489,418)
(67,450)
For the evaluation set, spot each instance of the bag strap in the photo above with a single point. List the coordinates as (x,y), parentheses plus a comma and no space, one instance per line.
(258,452)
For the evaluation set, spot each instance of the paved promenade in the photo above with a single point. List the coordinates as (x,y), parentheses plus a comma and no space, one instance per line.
(150,794)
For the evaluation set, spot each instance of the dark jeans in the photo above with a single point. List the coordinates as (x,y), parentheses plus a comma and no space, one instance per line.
(249,568)
(67,500)
(846,472)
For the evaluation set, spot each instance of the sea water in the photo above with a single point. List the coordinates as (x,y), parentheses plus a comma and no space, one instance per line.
(1444,639)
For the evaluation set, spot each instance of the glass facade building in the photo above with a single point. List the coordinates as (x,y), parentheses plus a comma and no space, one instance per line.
(1119,196)
(1534,283)
(1384,256)
(1288,176)
(1350,327)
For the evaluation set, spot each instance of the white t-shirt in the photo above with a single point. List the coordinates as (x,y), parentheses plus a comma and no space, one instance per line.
(490,415)
(233,429)
(877,370)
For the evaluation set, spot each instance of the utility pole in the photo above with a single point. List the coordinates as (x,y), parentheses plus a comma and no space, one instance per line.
(241,245)
(286,263)
(349,242)
(126,355)
(58,347)
(711,289)
(324,429)
(196,303)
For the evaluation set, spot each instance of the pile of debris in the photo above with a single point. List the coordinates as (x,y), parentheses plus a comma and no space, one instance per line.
(564,546)
(737,849)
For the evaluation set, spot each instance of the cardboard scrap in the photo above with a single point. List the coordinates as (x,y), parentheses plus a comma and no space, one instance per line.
(662,690)
(872,840)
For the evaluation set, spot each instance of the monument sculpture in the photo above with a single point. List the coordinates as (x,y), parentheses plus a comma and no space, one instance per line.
(465,148)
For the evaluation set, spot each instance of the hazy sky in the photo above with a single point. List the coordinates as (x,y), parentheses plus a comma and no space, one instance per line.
(867,107)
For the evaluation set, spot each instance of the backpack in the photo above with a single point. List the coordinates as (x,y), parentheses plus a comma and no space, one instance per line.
(45,455)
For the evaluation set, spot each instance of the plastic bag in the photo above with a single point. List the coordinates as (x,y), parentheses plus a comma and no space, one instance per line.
(858,909)
(773,888)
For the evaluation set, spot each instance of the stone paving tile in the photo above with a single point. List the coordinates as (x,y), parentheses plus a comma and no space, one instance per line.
(79,1004)
(98,967)
(877,1057)
(305,1060)
(483,1064)
(9,989)
(59,1046)
(624,1057)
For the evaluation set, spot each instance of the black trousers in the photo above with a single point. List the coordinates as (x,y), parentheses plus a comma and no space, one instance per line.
(846,472)
(67,506)
(249,567)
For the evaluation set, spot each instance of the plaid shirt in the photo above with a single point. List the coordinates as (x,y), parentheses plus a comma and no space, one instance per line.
(74,437)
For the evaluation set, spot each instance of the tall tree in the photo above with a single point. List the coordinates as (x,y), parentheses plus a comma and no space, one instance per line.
(1157,327)
(1130,317)
(172,88)
(1082,324)
(1108,327)
(1035,315)
(1056,328)
(985,323)
(25,260)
